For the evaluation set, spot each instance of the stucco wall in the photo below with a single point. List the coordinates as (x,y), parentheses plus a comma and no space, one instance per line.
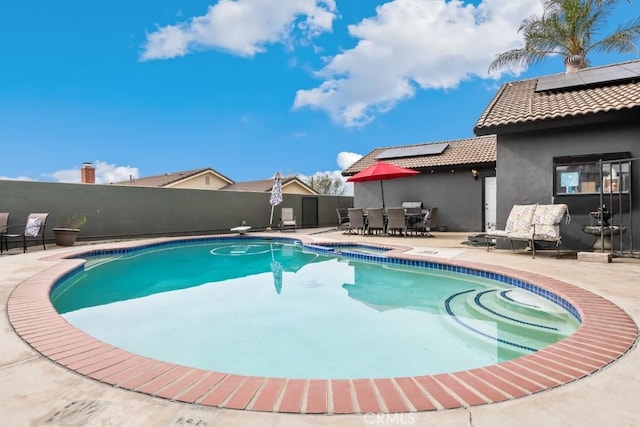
(457,195)
(121,211)
(199,182)
(295,188)
(525,171)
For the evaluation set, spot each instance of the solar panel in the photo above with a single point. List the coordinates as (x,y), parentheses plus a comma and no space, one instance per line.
(413,151)
(590,76)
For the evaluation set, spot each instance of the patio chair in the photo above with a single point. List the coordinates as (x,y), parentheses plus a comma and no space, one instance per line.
(288,220)
(343,217)
(424,227)
(396,220)
(356,220)
(33,229)
(375,220)
(4,222)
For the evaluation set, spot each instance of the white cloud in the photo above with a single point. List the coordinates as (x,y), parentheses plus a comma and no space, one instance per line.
(18,178)
(242,27)
(410,44)
(105,173)
(346,159)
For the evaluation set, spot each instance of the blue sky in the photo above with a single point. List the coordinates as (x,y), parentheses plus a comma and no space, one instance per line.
(246,87)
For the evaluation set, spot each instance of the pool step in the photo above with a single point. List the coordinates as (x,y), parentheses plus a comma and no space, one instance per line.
(483,315)
(492,305)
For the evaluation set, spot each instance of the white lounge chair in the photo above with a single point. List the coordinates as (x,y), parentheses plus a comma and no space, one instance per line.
(288,220)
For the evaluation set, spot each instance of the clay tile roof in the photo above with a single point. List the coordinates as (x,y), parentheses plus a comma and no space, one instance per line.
(167,178)
(264,185)
(518,103)
(471,151)
(258,186)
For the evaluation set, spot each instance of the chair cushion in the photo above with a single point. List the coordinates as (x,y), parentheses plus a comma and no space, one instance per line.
(546,219)
(549,214)
(33,227)
(519,220)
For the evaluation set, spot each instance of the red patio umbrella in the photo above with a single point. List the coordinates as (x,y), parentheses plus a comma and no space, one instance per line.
(379,172)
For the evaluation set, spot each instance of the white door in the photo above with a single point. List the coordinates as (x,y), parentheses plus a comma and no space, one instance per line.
(490,201)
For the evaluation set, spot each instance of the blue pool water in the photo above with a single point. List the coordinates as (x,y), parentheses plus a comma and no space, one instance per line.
(274,308)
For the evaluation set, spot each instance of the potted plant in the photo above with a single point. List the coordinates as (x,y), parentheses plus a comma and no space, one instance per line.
(67,233)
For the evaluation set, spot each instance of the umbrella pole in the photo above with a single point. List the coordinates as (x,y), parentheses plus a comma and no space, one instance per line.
(384,230)
(270,219)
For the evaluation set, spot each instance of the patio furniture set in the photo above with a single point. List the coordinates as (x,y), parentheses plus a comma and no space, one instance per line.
(389,221)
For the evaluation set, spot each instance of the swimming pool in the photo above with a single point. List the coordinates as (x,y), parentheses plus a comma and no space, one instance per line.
(605,334)
(282,309)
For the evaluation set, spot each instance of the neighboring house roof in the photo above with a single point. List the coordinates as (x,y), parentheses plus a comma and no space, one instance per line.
(611,88)
(170,179)
(266,185)
(470,151)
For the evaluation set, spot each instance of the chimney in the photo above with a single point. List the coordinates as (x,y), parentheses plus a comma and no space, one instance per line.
(88,173)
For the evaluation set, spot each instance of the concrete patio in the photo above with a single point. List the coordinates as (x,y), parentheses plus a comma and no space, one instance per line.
(37,392)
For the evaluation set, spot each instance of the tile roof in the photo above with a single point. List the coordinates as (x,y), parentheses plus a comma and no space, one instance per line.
(259,186)
(265,185)
(518,102)
(470,151)
(168,178)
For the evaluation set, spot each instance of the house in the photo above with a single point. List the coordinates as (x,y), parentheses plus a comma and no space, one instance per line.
(199,179)
(209,179)
(552,133)
(457,176)
(290,185)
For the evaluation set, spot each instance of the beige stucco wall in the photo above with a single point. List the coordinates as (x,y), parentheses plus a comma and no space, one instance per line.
(295,188)
(199,182)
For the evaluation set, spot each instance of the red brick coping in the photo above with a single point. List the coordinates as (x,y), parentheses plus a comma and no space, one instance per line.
(606,334)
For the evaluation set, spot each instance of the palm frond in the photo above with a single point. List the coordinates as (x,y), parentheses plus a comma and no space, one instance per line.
(622,40)
(568,28)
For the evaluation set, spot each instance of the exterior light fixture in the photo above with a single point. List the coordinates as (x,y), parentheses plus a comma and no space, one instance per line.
(475,173)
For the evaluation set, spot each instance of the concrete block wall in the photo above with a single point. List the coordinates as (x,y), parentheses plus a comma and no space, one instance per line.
(115,212)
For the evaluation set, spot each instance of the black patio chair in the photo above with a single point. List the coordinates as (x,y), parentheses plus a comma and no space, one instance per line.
(34,229)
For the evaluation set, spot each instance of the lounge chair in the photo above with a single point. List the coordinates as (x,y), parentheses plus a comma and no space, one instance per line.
(396,220)
(4,223)
(33,229)
(343,217)
(288,220)
(356,220)
(375,220)
(532,223)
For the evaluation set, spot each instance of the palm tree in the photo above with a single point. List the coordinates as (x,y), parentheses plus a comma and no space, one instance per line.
(567,28)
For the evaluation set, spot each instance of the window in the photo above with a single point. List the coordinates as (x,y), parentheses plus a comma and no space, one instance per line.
(581,174)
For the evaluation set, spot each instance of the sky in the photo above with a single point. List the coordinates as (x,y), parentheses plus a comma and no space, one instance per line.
(246,87)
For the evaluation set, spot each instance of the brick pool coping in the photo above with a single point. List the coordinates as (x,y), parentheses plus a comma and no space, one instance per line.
(606,334)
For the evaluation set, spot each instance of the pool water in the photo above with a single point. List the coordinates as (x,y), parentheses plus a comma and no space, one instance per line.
(275,309)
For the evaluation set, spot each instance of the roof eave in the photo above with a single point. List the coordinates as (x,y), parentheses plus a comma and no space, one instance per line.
(559,122)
